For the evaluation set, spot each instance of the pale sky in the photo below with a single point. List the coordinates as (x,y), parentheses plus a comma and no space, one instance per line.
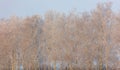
(24,8)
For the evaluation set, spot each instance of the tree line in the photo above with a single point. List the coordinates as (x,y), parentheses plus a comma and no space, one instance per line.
(87,41)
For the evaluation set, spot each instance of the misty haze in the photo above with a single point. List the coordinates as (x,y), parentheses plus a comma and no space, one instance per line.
(55,40)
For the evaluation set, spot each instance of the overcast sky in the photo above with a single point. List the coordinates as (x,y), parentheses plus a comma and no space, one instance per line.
(30,7)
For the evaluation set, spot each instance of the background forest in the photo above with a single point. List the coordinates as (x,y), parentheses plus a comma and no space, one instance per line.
(74,41)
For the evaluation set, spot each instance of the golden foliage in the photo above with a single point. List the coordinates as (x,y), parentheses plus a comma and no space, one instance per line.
(85,41)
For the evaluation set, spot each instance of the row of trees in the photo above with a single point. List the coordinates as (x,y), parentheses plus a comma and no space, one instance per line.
(88,40)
